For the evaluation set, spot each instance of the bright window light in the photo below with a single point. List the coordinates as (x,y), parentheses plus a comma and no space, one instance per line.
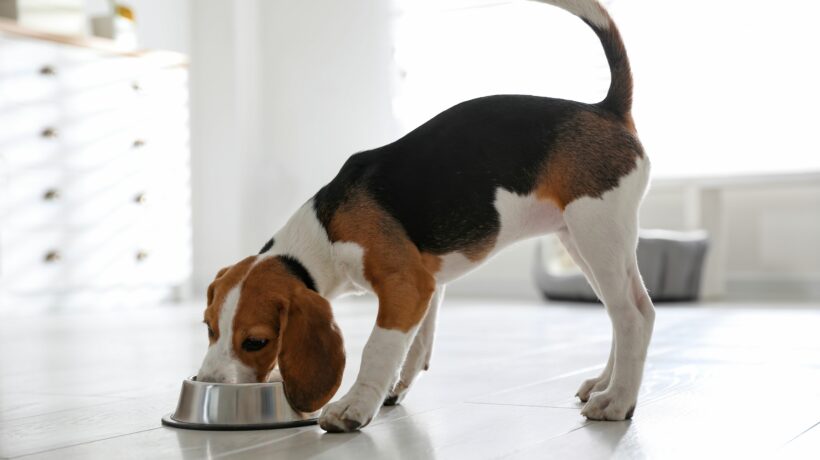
(721,88)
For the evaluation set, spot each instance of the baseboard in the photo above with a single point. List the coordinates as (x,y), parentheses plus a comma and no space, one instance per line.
(756,286)
(742,286)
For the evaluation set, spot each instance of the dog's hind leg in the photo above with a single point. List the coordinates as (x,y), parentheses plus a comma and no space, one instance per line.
(605,234)
(418,358)
(600,382)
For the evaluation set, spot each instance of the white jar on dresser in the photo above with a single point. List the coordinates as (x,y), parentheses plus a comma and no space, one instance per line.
(94,173)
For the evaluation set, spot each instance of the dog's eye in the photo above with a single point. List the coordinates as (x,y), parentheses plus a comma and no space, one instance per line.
(252,344)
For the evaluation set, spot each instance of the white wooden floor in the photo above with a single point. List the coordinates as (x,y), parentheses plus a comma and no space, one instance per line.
(723,381)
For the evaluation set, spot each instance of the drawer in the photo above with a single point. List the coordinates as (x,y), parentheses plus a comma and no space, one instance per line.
(39,136)
(53,198)
(34,262)
(45,140)
(162,85)
(106,255)
(32,71)
(28,136)
(107,181)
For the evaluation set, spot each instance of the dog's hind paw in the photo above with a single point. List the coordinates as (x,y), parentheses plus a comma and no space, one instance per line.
(608,406)
(590,386)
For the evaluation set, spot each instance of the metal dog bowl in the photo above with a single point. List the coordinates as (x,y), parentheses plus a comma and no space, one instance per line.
(230,406)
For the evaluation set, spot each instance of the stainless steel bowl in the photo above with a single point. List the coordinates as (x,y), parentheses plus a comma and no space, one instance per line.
(229,406)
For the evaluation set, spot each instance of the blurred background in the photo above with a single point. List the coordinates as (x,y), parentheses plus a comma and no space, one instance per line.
(145,144)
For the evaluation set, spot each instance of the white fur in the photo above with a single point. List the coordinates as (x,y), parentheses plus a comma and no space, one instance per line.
(304,238)
(221,363)
(590,10)
(602,236)
(349,259)
(382,355)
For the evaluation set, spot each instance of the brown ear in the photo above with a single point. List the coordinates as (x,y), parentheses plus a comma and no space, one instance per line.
(219,274)
(312,355)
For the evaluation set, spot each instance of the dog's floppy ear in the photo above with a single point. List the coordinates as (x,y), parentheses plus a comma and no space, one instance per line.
(312,355)
(211,286)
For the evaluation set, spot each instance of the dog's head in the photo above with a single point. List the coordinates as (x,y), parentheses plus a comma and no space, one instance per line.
(260,315)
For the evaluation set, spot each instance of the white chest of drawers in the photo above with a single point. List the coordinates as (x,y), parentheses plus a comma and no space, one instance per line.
(94,173)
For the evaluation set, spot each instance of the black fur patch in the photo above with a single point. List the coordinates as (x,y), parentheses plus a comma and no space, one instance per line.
(440,180)
(298,270)
(266,247)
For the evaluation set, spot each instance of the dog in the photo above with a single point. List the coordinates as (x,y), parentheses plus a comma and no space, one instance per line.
(405,219)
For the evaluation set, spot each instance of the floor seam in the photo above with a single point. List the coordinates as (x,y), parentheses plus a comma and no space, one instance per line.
(54,449)
(801,434)
(103,403)
(111,400)
(542,441)
(520,405)
(256,446)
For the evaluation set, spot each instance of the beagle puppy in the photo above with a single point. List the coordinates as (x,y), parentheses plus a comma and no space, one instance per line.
(405,219)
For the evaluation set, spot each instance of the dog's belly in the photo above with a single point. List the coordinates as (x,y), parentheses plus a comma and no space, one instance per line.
(520,216)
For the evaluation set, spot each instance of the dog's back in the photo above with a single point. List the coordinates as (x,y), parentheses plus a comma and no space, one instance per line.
(441,181)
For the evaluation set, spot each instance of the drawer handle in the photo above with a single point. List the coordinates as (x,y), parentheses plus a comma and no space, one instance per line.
(138,143)
(140,198)
(51,194)
(50,133)
(48,70)
(141,255)
(53,256)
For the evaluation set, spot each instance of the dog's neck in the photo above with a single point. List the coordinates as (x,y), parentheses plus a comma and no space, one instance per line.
(304,239)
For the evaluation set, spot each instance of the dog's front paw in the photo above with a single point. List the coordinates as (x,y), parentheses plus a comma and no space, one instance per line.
(607,405)
(355,410)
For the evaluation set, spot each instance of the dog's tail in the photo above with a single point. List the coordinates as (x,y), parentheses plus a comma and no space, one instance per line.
(619,98)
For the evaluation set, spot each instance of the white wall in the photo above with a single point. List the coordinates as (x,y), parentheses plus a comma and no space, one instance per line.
(163,24)
(283,93)
(325,92)
(216,163)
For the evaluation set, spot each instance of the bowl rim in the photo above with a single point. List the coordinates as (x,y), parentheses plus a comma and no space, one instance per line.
(169,420)
(193,381)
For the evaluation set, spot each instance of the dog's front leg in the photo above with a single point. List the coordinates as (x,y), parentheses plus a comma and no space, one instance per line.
(403,302)
(418,358)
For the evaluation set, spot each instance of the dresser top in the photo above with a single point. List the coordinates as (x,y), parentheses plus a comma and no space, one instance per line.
(10,27)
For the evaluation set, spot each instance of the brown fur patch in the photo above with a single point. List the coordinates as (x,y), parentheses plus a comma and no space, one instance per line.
(478,251)
(226,279)
(590,155)
(302,336)
(401,276)
(431,262)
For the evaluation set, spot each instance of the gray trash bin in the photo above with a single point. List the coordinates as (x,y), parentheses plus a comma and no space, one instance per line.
(671,264)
